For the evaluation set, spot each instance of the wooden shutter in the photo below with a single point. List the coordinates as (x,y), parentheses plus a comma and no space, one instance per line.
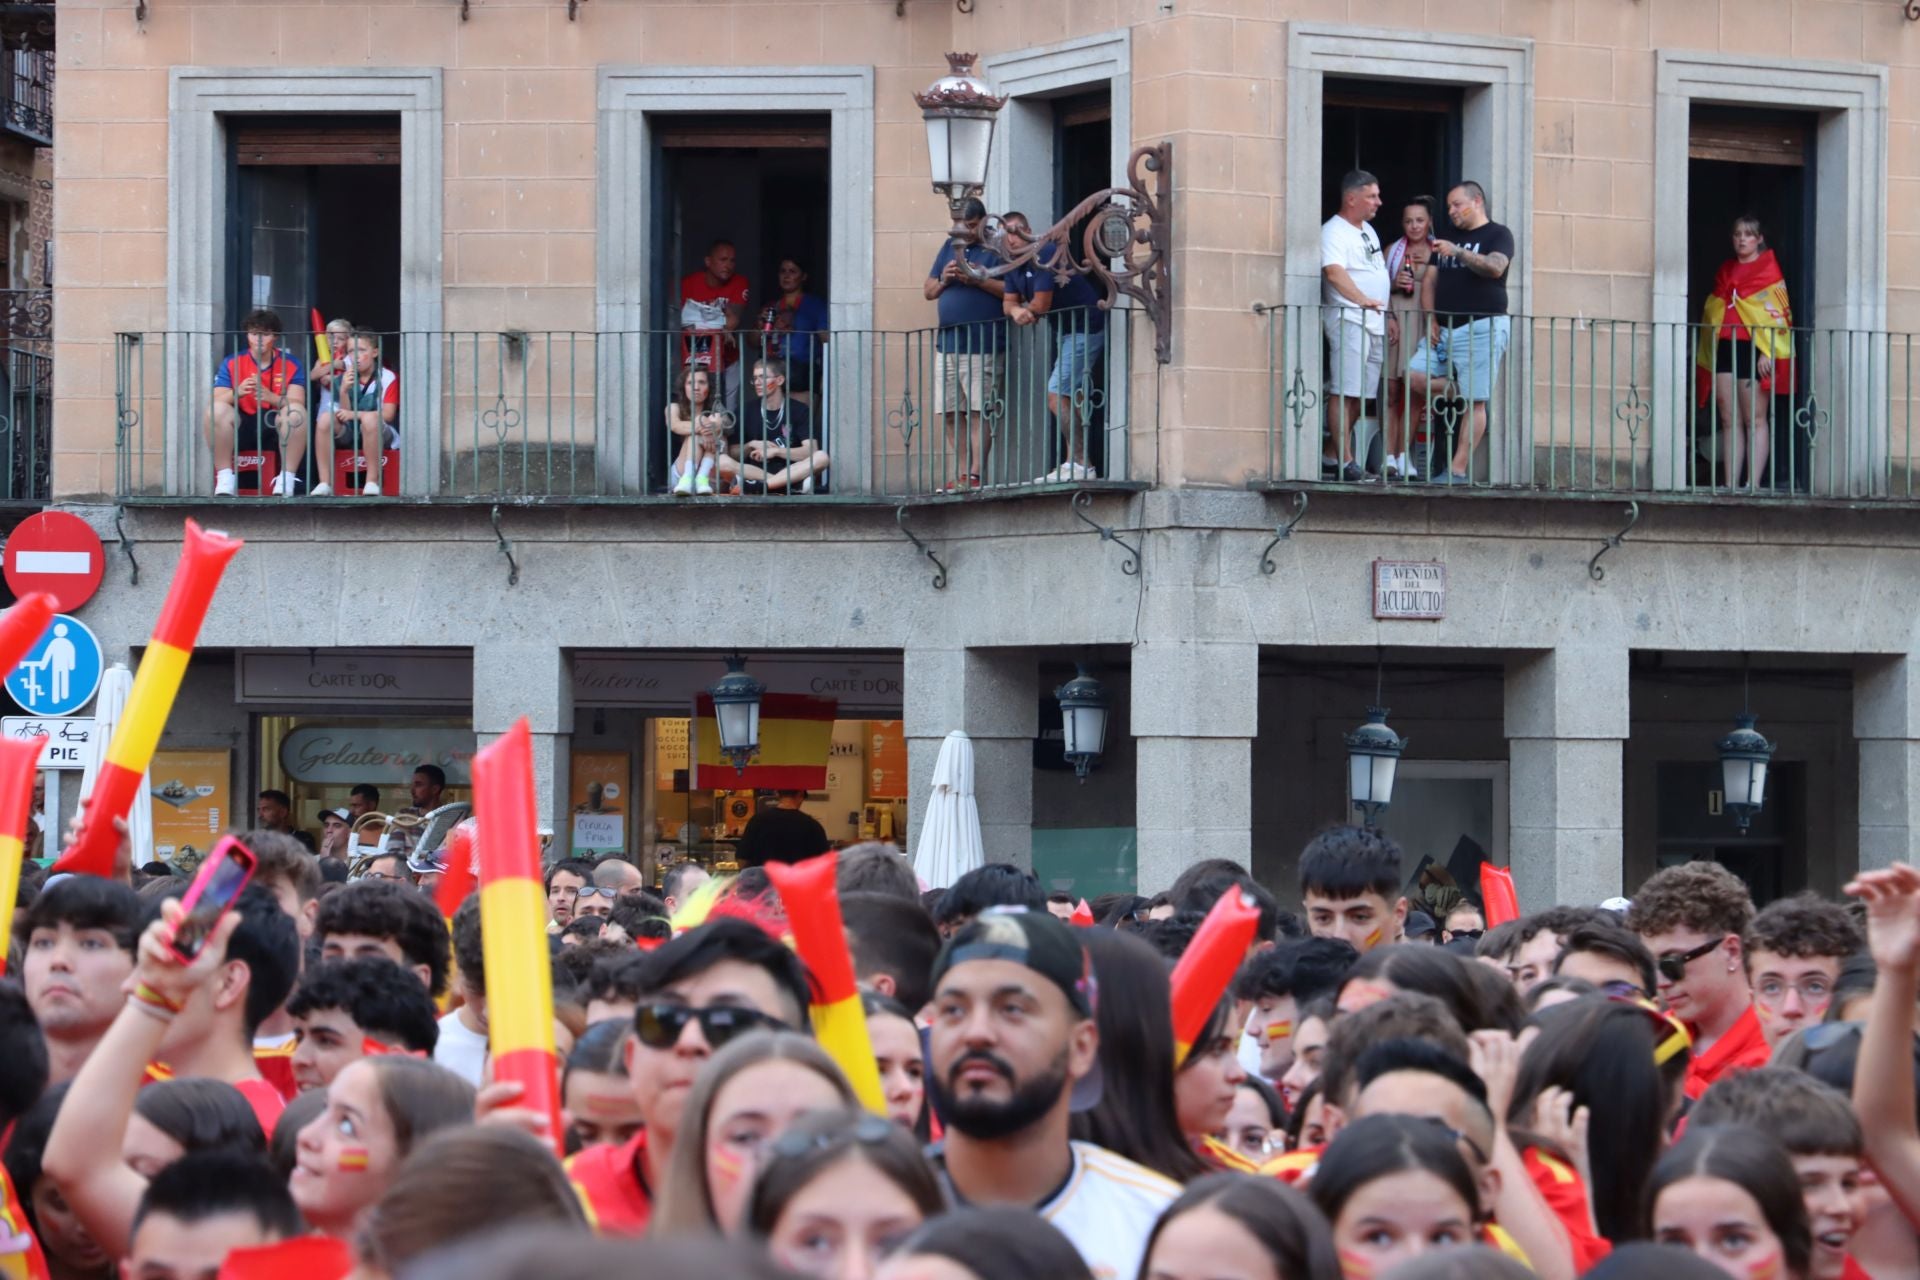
(316,140)
(730,130)
(1748,141)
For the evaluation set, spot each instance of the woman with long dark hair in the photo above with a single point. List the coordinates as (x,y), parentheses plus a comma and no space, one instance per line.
(1448,978)
(838,1190)
(1240,1225)
(1205,1086)
(1730,1195)
(1394,1187)
(988,1244)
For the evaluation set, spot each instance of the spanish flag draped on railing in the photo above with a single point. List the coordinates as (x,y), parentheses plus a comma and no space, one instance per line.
(812,901)
(1760,323)
(203,558)
(513,926)
(796,734)
(18,757)
(1208,965)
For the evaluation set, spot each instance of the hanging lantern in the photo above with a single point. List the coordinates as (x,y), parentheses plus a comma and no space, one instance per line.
(1083,720)
(1373,756)
(1744,756)
(736,711)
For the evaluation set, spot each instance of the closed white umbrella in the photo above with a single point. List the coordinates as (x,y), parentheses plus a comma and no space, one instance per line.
(108,706)
(949,844)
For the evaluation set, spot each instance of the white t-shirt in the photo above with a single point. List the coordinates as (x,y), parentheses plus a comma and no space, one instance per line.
(461,1051)
(1108,1209)
(1358,250)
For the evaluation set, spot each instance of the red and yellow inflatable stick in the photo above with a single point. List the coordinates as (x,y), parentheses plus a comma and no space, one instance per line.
(18,756)
(513,926)
(808,892)
(1497,893)
(21,627)
(1208,965)
(20,1256)
(457,882)
(203,558)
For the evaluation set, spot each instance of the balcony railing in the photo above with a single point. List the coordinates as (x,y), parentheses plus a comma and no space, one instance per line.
(26,95)
(1585,406)
(575,415)
(26,394)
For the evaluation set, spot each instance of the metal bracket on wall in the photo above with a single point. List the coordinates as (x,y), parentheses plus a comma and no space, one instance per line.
(573,9)
(940,578)
(1594,570)
(1131,565)
(1283,533)
(126,548)
(465,11)
(506,549)
(1912,9)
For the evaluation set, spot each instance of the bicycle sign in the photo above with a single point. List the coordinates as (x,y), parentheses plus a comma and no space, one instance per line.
(68,739)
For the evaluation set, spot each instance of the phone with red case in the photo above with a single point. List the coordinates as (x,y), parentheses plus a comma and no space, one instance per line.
(219,883)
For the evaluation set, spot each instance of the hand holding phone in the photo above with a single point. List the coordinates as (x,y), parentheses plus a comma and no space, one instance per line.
(215,888)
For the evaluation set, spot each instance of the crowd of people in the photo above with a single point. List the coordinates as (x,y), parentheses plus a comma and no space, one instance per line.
(1676,1085)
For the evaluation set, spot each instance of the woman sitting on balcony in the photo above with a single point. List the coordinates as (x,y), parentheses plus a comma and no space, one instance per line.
(1745,351)
(702,425)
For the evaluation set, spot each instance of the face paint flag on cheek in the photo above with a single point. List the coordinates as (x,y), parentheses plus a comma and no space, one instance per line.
(1279,1030)
(1355,1265)
(1373,939)
(371,1048)
(355,1159)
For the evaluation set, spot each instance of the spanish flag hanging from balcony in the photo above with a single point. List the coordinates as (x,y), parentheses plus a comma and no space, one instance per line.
(796,735)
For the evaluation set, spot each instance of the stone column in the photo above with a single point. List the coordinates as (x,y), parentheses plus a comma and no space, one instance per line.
(1194,712)
(990,695)
(1567,716)
(535,681)
(1886,720)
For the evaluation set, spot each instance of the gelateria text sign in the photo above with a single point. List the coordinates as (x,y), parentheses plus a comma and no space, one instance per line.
(342,755)
(1409,590)
(346,677)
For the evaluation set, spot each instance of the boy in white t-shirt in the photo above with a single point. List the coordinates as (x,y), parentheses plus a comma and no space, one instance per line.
(1353,295)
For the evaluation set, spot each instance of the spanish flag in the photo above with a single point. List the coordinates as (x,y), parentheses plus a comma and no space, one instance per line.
(203,559)
(18,756)
(20,1256)
(812,899)
(796,733)
(1749,307)
(513,926)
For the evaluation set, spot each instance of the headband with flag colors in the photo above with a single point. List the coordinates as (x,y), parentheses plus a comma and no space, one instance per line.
(1497,894)
(203,558)
(513,926)
(812,900)
(1208,965)
(18,756)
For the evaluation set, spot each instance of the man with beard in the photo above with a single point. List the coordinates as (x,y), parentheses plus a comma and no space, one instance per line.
(1013,1052)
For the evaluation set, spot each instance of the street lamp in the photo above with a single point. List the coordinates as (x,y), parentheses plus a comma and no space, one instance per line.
(1744,756)
(1083,721)
(1129,230)
(736,711)
(1373,756)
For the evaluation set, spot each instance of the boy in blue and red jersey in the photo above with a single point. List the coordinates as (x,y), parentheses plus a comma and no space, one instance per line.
(264,388)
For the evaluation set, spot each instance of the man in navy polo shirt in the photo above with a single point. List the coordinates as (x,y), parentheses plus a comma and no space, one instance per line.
(971,347)
(1081,330)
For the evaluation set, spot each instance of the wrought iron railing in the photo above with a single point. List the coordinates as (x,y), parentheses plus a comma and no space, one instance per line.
(26,94)
(1591,406)
(26,394)
(584,415)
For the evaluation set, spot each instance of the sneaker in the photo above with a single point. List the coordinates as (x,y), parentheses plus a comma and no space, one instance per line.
(684,486)
(1391,471)
(371,491)
(1079,471)
(1054,476)
(321,490)
(226,484)
(1353,473)
(1454,478)
(286,484)
(702,486)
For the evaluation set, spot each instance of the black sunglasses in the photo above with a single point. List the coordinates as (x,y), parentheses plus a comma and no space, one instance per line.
(1467,933)
(658,1026)
(1674,967)
(867,1131)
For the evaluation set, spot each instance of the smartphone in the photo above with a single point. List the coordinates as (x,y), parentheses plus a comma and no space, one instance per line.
(219,882)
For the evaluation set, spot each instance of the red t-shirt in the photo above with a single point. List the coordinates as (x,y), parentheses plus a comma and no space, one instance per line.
(301,1258)
(612,1186)
(275,1064)
(266,1102)
(1566,1195)
(1853,1270)
(696,287)
(1743,1048)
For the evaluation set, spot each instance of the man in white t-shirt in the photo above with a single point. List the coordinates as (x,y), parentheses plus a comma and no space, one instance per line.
(462,1046)
(1013,1053)
(1353,311)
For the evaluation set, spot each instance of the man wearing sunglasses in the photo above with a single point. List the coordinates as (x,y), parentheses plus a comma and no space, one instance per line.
(696,993)
(1694,918)
(1795,948)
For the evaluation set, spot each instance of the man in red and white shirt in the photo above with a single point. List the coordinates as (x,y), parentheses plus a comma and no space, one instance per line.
(714,299)
(360,412)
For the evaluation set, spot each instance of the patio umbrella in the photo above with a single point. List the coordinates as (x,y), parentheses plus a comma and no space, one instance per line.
(108,705)
(949,844)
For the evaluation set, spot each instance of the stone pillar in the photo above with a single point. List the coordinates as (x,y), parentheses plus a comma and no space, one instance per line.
(991,695)
(1886,720)
(1195,708)
(535,681)
(1567,716)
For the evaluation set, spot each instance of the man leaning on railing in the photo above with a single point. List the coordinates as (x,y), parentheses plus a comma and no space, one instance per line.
(1032,292)
(1466,296)
(971,346)
(259,390)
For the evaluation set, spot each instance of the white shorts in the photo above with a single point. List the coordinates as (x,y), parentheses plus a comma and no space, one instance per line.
(1353,358)
(349,437)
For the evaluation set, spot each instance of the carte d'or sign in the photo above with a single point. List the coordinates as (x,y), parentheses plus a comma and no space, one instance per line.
(1409,590)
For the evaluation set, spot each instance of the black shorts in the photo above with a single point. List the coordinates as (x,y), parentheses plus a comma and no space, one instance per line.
(1731,355)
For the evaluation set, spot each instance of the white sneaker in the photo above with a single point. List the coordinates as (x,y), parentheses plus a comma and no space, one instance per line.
(321,490)
(684,486)
(226,484)
(702,486)
(1054,476)
(371,491)
(1079,471)
(286,484)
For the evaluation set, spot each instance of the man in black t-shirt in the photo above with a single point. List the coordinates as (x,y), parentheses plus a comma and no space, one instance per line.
(777,436)
(1465,297)
(784,833)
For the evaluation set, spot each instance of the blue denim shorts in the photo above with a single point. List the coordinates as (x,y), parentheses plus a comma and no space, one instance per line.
(1467,355)
(1074,365)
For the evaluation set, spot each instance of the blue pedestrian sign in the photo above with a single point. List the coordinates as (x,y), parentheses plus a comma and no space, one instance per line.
(61,673)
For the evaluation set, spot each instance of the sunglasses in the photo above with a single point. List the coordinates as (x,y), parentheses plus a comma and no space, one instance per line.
(599,891)
(1674,967)
(867,1131)
(658,1026)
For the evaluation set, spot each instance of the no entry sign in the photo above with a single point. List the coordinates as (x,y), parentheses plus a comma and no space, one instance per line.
(57,553)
